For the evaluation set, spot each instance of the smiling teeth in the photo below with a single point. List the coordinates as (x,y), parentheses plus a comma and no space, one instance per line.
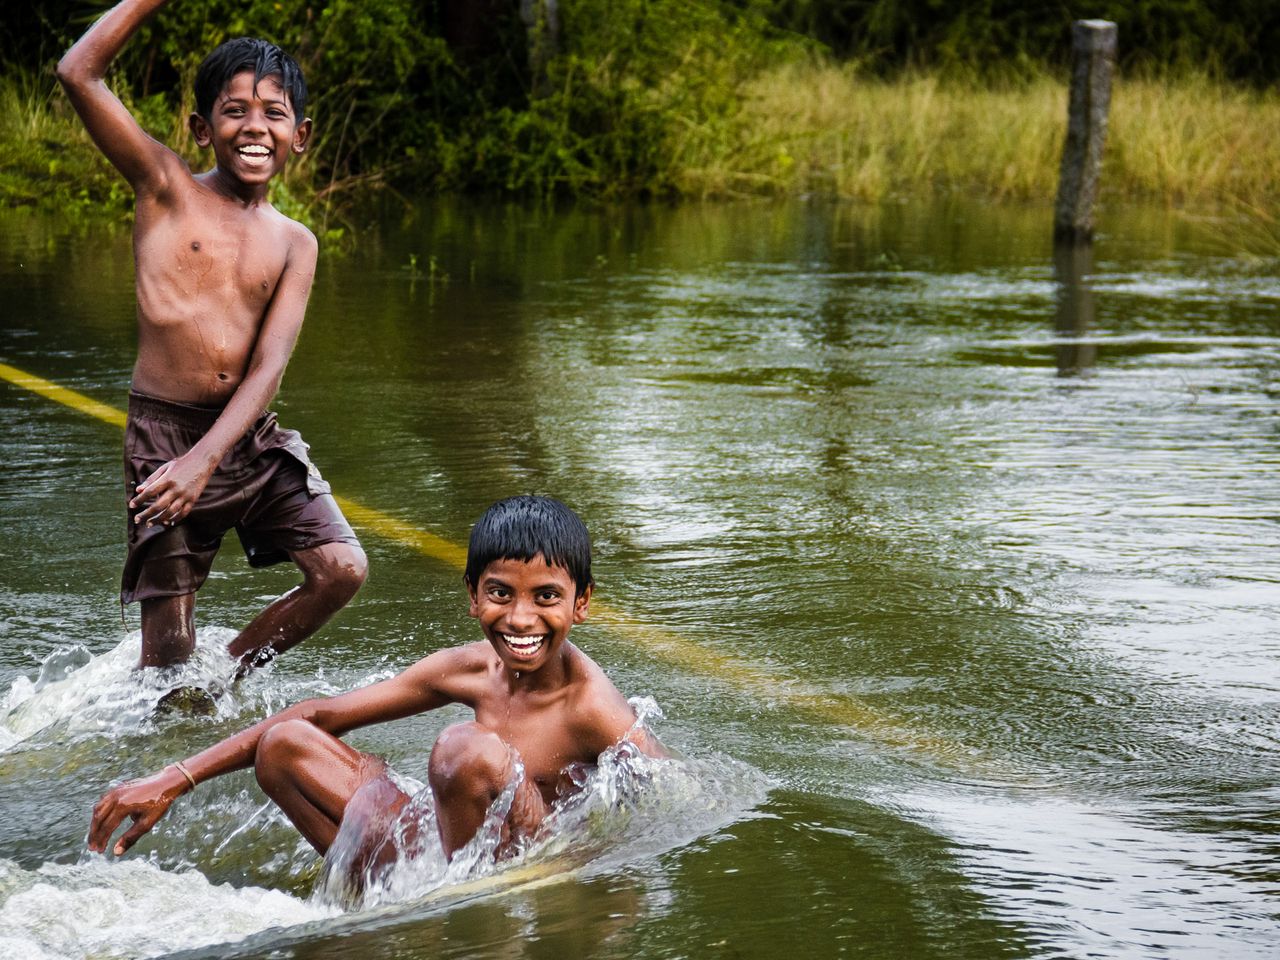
(255,151)
(523,644)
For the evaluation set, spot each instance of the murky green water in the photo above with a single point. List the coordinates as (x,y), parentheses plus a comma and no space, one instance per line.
(973,579)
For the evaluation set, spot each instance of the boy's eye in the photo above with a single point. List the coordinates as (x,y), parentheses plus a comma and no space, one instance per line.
(549,596)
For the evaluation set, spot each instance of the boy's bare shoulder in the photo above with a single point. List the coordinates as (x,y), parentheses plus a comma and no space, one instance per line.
(455,671)
(301,241)
(596,704)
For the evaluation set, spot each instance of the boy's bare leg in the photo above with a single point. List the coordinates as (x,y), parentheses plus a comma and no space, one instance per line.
(469,767)
(168,630)
(331,575)
(312,776)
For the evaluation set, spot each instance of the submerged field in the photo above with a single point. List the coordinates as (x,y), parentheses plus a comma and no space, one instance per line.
(954,577)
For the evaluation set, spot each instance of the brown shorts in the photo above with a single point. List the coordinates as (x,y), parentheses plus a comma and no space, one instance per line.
(266,487)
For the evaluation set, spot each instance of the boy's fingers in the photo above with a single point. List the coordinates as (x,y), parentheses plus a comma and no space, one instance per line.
(101,827)
(141,824)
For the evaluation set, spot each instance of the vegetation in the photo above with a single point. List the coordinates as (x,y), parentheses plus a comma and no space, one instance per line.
(853,98)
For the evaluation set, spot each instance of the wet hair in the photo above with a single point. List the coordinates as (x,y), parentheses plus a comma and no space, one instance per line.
(246,53)
(525,527)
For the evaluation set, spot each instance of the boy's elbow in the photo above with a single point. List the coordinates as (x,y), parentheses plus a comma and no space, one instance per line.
(71,71)
(65,70)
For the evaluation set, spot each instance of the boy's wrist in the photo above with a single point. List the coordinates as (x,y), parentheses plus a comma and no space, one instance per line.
(187,782)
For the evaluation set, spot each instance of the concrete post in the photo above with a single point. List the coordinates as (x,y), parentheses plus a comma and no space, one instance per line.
(1093,44)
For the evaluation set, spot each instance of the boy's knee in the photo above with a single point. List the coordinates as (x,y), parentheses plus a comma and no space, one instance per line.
(468,759)
(341,570)
(279,748)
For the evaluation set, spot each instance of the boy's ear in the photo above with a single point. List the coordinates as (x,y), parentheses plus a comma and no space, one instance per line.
(199,127)
(580,604)
(301,136)
(474,609)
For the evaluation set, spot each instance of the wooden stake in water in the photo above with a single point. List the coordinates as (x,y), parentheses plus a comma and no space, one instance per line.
(1093,45)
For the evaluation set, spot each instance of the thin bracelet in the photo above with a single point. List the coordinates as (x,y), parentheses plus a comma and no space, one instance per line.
(186,773)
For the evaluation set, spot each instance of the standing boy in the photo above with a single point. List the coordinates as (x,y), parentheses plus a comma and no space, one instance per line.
(537,698)
(222,285)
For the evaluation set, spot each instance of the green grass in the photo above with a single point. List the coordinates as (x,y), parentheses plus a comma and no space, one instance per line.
(813,128)
(823,129)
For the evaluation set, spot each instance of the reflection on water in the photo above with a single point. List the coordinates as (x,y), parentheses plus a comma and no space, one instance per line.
(1072,265)
(1004,636)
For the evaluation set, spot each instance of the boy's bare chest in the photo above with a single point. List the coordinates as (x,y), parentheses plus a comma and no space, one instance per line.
(543,737)
(223,263)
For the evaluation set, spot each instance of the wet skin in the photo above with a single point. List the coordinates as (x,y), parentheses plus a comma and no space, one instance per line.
(222,286)
(535,696)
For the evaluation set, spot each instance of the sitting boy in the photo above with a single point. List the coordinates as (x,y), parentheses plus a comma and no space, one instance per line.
(222,284)
(537,698)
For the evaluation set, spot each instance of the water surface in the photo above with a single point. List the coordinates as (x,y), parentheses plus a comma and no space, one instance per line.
(958,565)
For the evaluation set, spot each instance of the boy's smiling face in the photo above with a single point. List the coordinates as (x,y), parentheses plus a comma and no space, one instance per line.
(252,132)
(526,608)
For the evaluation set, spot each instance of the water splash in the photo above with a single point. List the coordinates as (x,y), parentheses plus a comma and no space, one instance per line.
(626,805)
(91,695)
(131,908)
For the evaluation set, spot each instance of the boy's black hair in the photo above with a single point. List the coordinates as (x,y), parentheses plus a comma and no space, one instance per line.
(525,527)
(247,53)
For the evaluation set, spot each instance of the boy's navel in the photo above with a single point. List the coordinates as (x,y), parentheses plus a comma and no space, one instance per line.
(195,245)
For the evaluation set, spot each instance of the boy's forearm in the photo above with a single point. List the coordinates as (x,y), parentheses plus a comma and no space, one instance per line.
(251,398)
(239,750)
(89,57)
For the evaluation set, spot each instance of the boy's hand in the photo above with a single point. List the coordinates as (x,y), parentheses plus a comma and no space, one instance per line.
(170,493)
(143,801)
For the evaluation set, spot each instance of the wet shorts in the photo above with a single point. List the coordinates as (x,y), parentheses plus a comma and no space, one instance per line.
(266,487)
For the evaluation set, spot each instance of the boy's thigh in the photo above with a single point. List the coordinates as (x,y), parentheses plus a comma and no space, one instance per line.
(282,516)
(318,765)
(528,810)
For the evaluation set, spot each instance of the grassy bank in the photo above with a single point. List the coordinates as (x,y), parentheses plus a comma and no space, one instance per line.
(48,162)
(817,129)
(1189,141)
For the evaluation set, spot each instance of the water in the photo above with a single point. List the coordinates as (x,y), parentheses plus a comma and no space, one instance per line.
(953,569)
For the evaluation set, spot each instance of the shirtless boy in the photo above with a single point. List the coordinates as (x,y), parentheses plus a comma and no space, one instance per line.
(222,285)
(535,696)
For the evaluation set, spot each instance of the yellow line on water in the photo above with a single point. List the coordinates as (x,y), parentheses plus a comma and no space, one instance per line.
(51,391)
(770,690)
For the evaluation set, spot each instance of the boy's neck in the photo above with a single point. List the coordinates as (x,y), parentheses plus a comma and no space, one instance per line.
(222,183)
(550,676)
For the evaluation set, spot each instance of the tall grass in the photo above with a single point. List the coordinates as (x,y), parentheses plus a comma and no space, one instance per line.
(805,128)
(825,129)
(46,157)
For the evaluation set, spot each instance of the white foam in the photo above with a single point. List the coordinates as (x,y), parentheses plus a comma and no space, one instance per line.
(105,693)
(131,908)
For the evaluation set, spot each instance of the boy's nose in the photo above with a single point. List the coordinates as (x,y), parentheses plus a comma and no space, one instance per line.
(522,616)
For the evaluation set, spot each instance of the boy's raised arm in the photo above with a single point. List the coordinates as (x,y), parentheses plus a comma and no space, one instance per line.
(144,162)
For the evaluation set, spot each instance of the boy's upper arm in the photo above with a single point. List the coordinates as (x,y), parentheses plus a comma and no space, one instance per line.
(148,165)
(423,686)
(608,718)
(288,306)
